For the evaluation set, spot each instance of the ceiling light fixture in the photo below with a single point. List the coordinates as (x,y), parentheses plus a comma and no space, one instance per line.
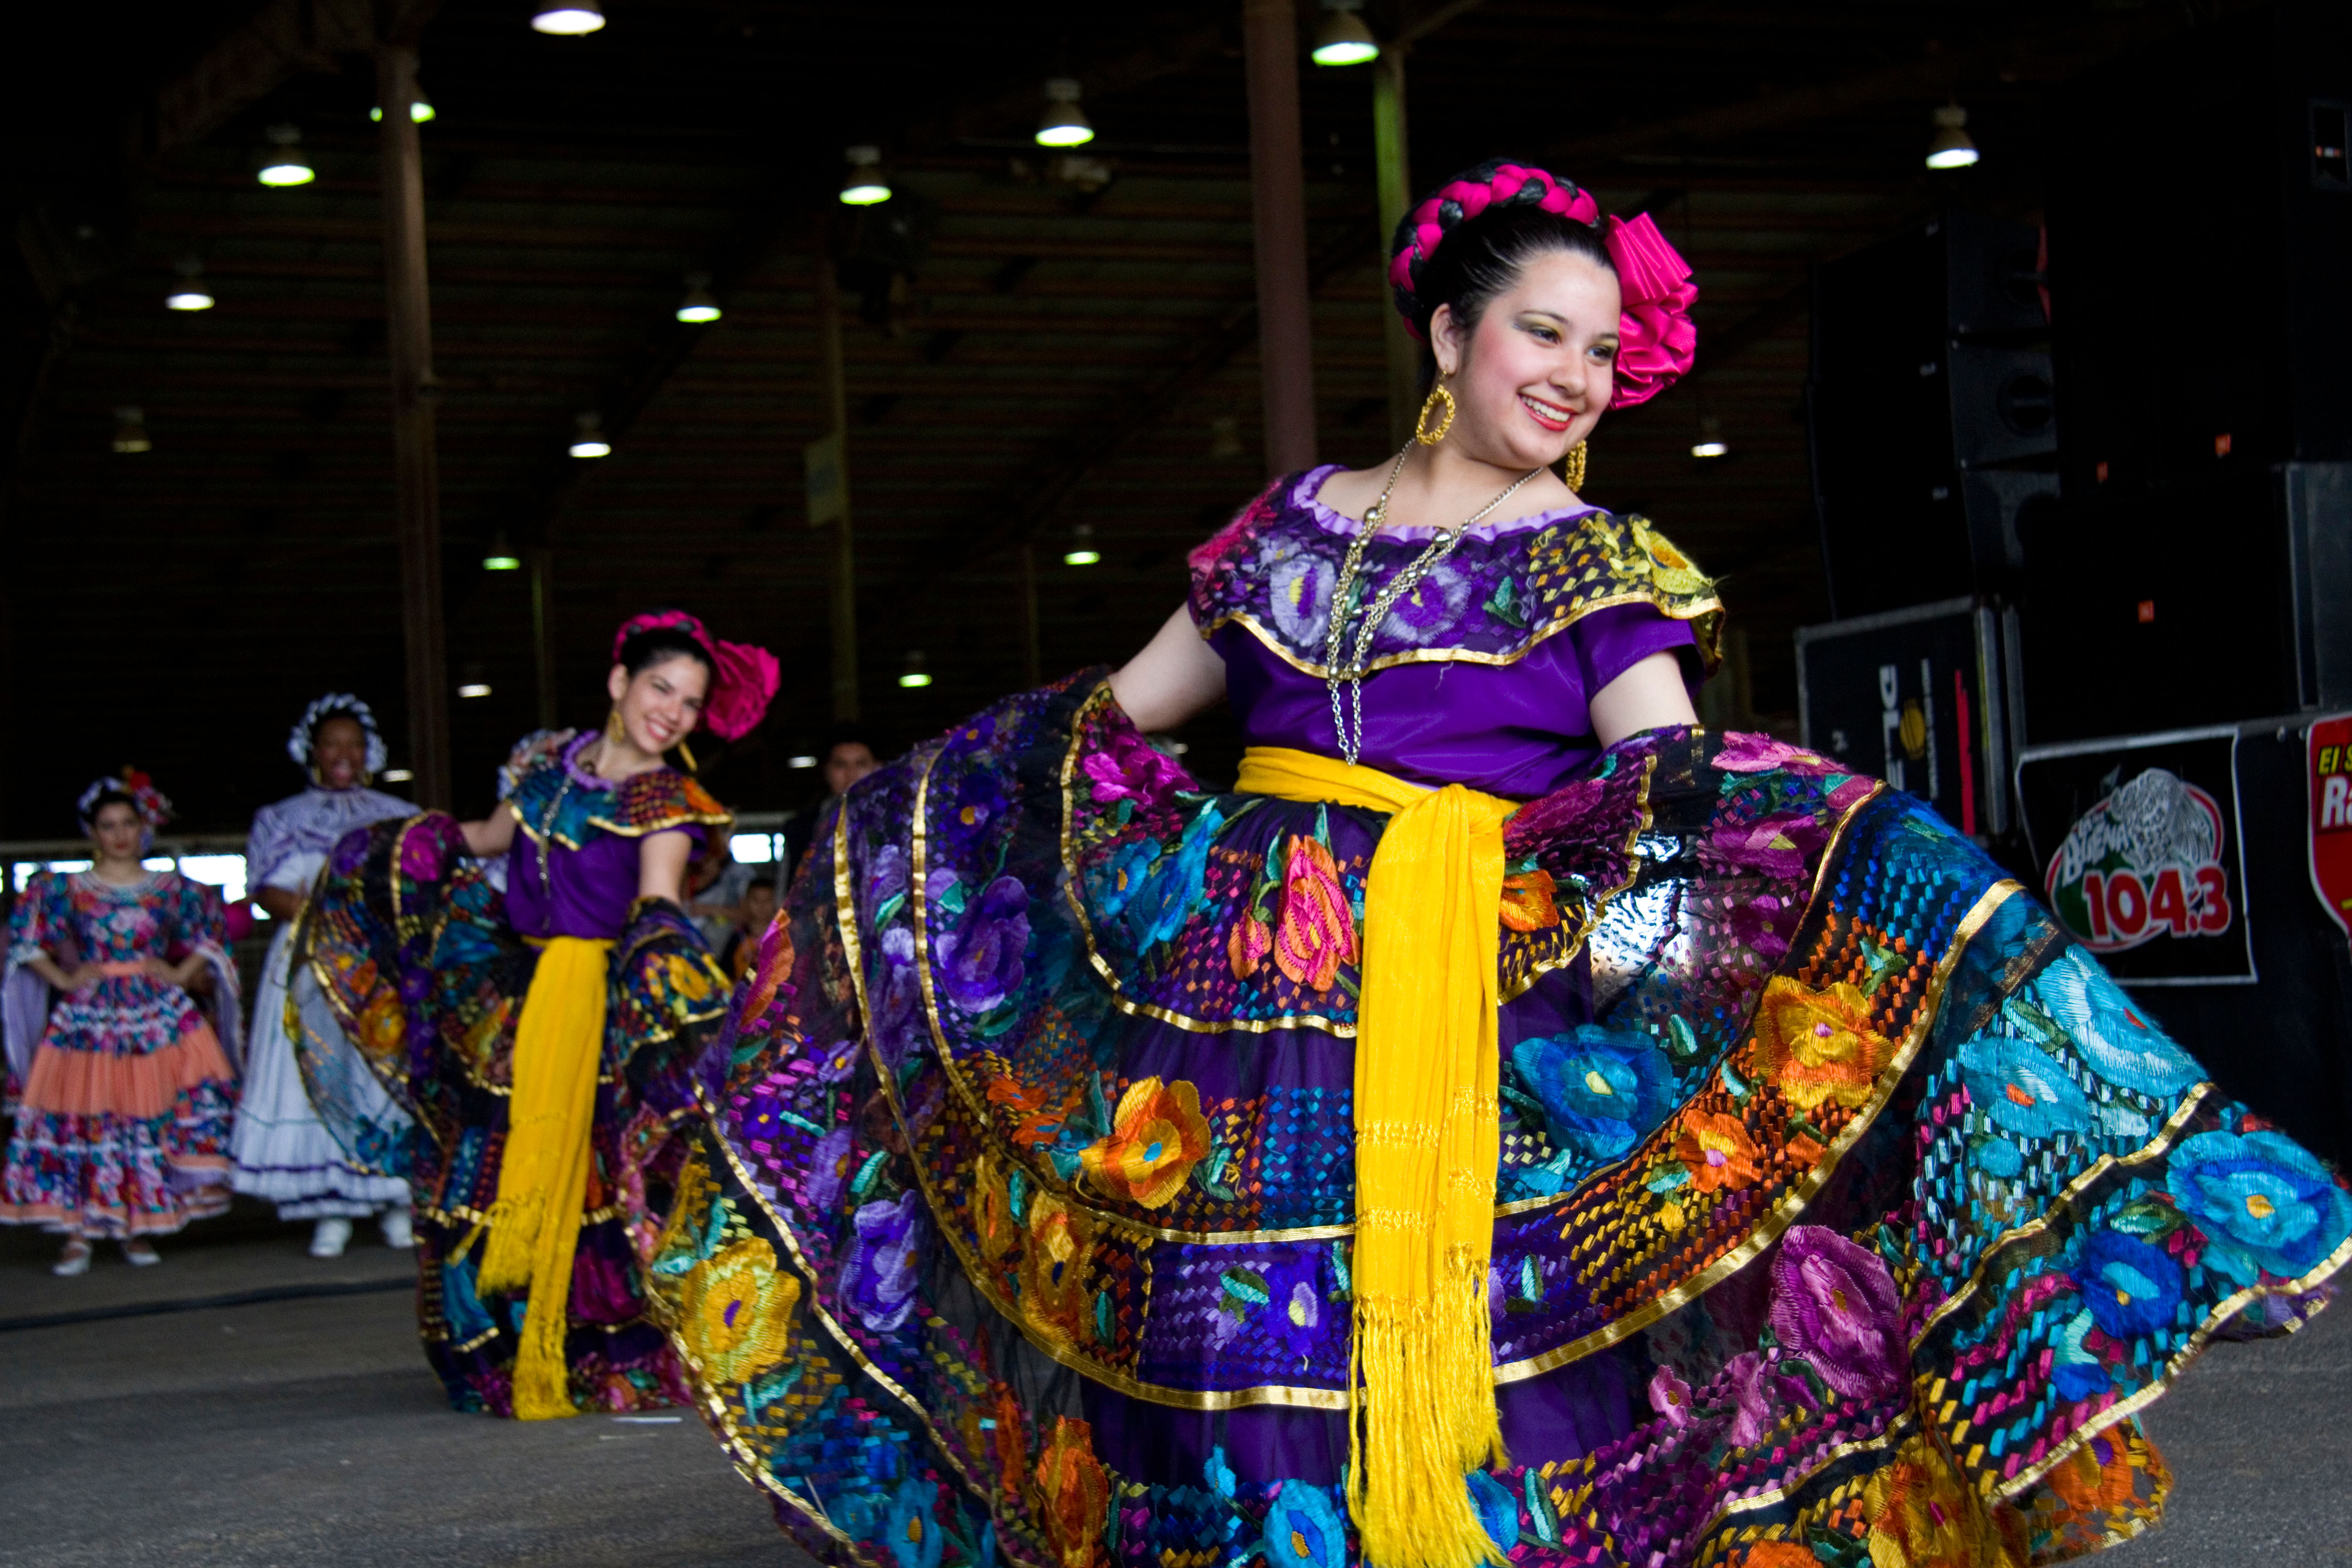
(420,108)
(283,162)
(914,677)
(1082,551)
(804,760)
(698,308)
(1710,442)
(588,436)
(396,776)
(500,557)
(1949,147)
(864,185)
(191,294)
(567,19)
(131,430)
(474,688)
(1344,40)
(1065,124)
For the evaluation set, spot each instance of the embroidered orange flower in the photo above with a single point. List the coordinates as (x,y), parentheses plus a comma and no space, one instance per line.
(2097,1477)
(1780,1554)
(1011,1443)
(383,1028)
(1054,1296)
(1528,901)
(1156,1139)
(1717,1151)
(1248,945)
(1921,1518)
(1319,928)
(1819,1045)
(1075,1493)
(991,1205)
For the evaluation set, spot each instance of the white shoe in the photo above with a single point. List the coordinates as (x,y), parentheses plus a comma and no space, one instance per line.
(399,1228)
(330,1237)
(73,1261)
(140,1254)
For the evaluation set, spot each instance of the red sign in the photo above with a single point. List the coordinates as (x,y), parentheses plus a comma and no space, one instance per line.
(2331,817)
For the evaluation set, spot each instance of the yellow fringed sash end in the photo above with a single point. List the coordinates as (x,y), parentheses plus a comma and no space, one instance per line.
(534,1223)
(1427,1087)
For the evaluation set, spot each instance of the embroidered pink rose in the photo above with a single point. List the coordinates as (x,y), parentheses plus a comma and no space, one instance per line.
(1318,926)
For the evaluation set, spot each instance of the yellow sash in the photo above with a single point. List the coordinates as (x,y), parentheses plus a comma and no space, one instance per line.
(543,1177)
(1427,1139)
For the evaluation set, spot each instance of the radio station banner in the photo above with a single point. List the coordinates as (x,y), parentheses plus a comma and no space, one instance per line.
(2331,817)
(2138,843)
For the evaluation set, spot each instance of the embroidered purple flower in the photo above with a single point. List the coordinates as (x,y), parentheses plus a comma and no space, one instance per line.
(979,961)
(879,1274)
(1670,1396)
(2262,1201)
(1749,753)
(758,1114)
(1554,816)
(1764,923)
(350,851)
(828,1169)
(885,877)
(420,853)
(1834,1303)
(2130,1287)
(1130,768)
(1298,593)
(1751,1399)
(1425,614)
(978,803)
(1778,845)
(1294,1306)
(898,1026)
(1602,1089)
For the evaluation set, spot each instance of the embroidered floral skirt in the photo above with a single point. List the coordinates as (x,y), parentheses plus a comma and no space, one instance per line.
(405,964)
(1846,1212)
(122,1127)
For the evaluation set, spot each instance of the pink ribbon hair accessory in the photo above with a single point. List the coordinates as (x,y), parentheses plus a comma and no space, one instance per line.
(744,677)
(1656,339)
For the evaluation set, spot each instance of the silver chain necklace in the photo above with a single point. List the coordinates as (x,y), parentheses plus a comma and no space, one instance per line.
(1343,594)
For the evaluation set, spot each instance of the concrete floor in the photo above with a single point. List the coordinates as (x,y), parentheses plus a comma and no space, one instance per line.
(293,1432)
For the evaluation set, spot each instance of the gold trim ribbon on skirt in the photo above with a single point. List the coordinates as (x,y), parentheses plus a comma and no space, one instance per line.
(543,1177)
(1427,1139)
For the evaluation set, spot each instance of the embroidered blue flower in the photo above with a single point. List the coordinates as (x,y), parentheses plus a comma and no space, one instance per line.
(1498,1510)
(2260,1200)
(1294,1307)
(2024,1092)
(1303,1530)
(2130,1287)
(2121,1045)
(1119,878)
(2078,1373)
(1602,1090)
(1158,910)
(912,1531)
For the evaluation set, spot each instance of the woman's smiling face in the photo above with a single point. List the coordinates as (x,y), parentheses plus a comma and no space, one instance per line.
(1534,375)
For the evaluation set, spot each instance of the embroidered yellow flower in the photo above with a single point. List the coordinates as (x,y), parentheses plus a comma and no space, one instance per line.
(1920,1517)
(1669,568)
(1157,1138)
(1819,1045)
(735,1310)
(1054,1296)
(383,1028)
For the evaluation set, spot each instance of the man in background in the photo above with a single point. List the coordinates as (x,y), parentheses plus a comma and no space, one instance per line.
(848,757)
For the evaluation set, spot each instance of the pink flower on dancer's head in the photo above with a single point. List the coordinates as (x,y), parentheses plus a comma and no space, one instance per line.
(1132,768)
(1657,341)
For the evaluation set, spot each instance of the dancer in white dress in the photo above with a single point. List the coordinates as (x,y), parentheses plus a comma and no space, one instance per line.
(283,1152)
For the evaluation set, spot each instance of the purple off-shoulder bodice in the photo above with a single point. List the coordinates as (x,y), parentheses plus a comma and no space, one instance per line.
(1479,689)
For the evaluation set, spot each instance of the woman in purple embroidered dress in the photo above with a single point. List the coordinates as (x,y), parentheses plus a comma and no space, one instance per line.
(1513,1125)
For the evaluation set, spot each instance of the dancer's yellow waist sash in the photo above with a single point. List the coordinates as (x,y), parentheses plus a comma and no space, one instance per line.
(1426,1144)
(543,1176)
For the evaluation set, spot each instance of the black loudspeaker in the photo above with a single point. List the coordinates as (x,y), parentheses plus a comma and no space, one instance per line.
(2198,570)
(1931,407)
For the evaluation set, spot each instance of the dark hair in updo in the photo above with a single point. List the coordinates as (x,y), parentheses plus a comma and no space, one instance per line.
(105,798)
(659,645)
(1481,257)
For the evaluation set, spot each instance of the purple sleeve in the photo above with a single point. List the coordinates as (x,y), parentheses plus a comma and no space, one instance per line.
(1610,642)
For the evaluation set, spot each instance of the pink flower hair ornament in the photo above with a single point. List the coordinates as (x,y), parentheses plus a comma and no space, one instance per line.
(743,678)
(1657,341)
(153,808)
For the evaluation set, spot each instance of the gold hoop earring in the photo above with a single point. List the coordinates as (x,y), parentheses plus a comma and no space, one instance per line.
(614,730)
(1572,470)
(1421,430)
(687,756)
